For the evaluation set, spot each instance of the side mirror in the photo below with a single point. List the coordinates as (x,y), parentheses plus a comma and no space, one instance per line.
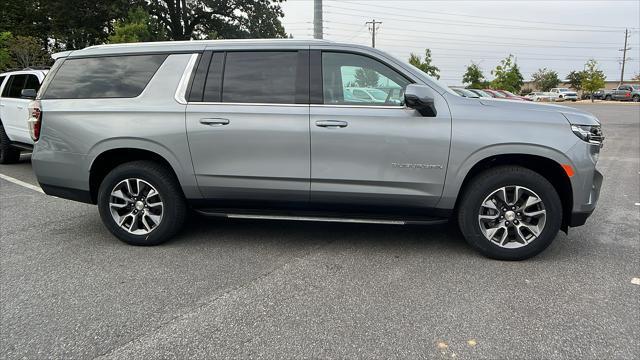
(28,94)
(420,97)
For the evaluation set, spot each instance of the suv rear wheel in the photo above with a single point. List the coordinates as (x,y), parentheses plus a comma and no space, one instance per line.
(141,203)
(8,154)
(510,213)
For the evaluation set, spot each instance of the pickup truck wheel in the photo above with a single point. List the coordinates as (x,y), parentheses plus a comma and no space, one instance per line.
(8,154)
(510,213)
(636,98)
(607,97)
(141,203)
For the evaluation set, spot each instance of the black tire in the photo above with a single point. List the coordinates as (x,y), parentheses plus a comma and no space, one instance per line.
(174,204)
(636,98)
(607,98)
(484,184)
(8,154)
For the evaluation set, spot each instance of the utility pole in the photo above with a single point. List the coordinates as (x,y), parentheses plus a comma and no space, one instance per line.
(373,29)
(624,54)
(317,19)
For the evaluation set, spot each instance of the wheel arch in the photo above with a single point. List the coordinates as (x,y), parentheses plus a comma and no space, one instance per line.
(107,160)
(549,168)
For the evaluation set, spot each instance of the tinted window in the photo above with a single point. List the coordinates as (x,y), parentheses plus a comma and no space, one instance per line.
(14,86)
(360,80)
(260,77)
(1,80)
(105,77)
(32,83)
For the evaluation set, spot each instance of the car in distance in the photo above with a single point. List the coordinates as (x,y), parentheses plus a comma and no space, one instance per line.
(626,92)
(14,132)
(465,93)
(262,129)
(495,94)
(511,96)
(481,93)
(539,96)
(563,94)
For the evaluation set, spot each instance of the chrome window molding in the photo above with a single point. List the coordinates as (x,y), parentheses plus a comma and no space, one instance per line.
(295,105)
(181,91)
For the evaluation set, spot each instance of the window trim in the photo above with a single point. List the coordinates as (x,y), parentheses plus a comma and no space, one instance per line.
(316,70)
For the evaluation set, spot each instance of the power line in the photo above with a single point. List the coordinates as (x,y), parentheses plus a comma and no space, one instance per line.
(475,37)
(422,20)
(519,21)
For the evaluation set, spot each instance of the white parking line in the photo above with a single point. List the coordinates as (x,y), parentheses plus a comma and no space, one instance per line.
(21,183)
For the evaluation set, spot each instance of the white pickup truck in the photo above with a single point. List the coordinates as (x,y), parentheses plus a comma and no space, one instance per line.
(563,94)
(14,130)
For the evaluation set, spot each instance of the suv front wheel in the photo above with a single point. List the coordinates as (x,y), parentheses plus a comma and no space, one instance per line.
(141,203)
(510,213)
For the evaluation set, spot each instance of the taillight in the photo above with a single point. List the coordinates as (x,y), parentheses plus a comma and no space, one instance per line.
(627,94)
(35,119)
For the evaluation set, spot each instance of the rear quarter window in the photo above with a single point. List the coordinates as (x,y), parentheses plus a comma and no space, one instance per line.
(103,77)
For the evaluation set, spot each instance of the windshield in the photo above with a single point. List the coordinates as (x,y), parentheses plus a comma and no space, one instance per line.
(508,93)
(564,90)
(497,94)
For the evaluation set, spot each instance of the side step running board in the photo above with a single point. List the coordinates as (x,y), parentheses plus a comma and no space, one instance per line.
(425,221)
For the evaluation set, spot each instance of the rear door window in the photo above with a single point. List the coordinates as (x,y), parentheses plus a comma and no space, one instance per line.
(260,77)
(103,77)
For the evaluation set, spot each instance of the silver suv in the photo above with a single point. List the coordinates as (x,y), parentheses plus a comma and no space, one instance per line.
(266,129)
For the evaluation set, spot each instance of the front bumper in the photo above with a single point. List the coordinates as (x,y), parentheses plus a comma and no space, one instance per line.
(579,217)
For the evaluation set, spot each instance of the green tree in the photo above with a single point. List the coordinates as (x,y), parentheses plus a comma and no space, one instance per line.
(196,19)
(545,79)
(425,65)
(137,27)
(27,51)
(6,61)
(366,78)
(574,78)
(507,75)
(474,77)
(593,78)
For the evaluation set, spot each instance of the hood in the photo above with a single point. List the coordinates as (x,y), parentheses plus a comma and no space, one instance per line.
(573,115)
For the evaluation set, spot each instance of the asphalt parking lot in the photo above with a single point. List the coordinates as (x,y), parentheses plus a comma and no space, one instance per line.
(239,288)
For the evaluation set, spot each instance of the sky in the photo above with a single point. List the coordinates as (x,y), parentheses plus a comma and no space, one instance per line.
(559,35)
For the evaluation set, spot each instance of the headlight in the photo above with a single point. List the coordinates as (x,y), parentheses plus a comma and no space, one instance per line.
(589,133)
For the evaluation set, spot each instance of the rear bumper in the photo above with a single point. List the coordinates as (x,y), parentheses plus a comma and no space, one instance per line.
(580,217)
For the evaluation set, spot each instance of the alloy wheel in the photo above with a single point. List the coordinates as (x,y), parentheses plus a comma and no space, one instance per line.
(136,206)
(512,216)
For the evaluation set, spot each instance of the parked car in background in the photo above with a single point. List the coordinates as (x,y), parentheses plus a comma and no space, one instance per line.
(481,93)
(601,93)
(563,94)
(495,94)
(14,130)
(539,96)
(512,96)
(367,94)
(465,93)
(626,92)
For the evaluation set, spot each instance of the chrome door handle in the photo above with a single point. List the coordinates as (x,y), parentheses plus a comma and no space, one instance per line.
(214,121)
(332,123)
